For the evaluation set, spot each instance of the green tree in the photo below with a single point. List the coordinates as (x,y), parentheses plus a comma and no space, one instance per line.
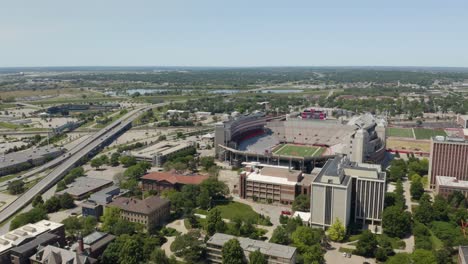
(204,199)
(400,258)
(314,254)
(61,185)
(37,201)
(16,187)
(396,222)
(423,213)
(131,252)
(104,159)
(114,159)
(52,205)
(158,256)
(440,208)
(188,246)
(207,162)
(257,257)
(34,215)
(96,163)
(134,172)
(214,187)
(416,189)
(127,161)
(421,256)
(301,203)
(367,245)
(66,201)
(110,217)
(232,252)
(214,222)
(444,256)
(337,231)
(305,236)
(280,236)
(111,254)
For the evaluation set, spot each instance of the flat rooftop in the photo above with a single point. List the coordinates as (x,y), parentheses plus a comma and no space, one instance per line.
(15,237)
(251,245)
(442,139)
(276,175)
(25,155)
(84,185)
(162,148)
(451,182)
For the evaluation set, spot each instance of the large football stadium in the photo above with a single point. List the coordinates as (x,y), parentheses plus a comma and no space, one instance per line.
(299,143)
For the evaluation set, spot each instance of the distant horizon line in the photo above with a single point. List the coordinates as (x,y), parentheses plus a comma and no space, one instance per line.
(234,67)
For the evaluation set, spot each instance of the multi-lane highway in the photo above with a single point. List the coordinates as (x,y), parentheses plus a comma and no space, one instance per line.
(67,161)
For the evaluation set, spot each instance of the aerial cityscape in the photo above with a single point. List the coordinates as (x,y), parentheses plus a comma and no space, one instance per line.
(233,133)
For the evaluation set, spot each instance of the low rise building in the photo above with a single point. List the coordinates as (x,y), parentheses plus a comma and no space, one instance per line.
(160,181)
(347,190)
(151,212)
(19,244)
(462,120)
(23,160)
(271,183)
(94,244)
(274,253)
(94,206)
(447,185)
(55,255)
(84,186)
(462,255)
(159,153)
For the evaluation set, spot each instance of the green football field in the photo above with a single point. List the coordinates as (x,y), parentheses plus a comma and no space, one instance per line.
(400,132)
(424,133)
(298,151)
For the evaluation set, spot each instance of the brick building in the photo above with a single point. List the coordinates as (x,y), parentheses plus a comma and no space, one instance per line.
(160,181)
(273,183)
(447,185)
(150,212)
(449,157)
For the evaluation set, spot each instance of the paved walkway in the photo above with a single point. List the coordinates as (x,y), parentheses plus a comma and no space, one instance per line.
(410,240)
(334,256)
(180,227)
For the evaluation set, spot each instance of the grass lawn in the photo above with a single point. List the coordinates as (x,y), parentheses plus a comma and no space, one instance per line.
(400,132)
(347,250)
(8,177)
(424,133)
(9,125)
(235,209)
(396,242)
(436,242)
(299,151)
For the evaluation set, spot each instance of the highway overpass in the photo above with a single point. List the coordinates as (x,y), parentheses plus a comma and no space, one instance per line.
(69,160)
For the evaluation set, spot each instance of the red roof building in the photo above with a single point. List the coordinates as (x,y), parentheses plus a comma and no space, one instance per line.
(160,181)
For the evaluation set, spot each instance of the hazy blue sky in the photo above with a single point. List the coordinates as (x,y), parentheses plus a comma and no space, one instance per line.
(233,33)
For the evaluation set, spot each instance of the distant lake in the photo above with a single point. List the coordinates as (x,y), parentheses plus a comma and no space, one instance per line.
(151,91)
(145,91)
(279,91)
(224,91)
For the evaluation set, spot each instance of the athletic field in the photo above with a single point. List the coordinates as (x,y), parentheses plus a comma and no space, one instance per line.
(424,133)
(417,133)
(400,132)
(298,150)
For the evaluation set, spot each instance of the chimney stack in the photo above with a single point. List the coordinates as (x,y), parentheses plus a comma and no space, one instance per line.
(80,243)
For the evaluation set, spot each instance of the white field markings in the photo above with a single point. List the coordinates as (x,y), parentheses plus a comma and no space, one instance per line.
(282,147)
(313,154)
(414,135)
